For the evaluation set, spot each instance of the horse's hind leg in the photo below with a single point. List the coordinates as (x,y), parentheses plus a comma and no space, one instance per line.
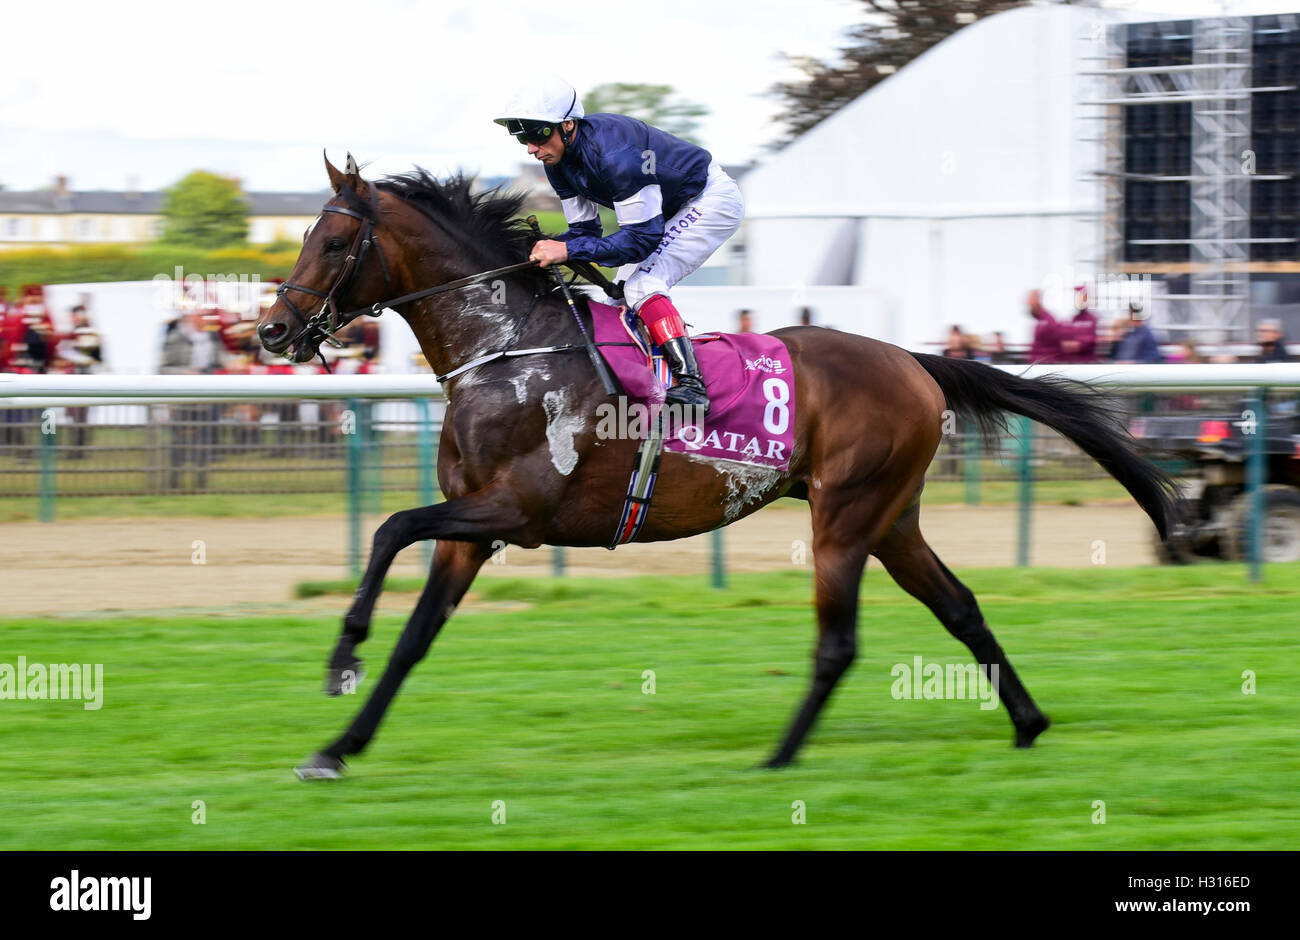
(846,524)
(919,572)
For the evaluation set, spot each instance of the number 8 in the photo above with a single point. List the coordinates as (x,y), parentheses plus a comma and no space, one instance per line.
(776,416)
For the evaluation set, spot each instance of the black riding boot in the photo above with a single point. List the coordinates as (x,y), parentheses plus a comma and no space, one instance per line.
(688,389)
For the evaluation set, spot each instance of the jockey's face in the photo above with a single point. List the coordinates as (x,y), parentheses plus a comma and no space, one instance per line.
(551,151)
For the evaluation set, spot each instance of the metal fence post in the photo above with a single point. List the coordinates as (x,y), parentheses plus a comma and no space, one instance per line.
(372,458)
(1255,478)
(156,448)
(354,490)
(718,577)
(557,560)
(46,429)
(424,457)
(1025,429)
(970,466)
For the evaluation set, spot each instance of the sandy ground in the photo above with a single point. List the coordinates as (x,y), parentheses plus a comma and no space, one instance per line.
(253,564)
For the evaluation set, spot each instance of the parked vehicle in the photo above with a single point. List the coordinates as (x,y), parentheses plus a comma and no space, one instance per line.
(1210,453)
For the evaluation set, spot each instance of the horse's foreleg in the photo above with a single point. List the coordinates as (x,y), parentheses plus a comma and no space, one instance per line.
(399,531)
(455,565)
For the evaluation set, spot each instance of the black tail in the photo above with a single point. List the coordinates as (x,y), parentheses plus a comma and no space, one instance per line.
(1082,413)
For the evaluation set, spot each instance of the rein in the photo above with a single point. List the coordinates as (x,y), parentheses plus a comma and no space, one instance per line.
(508,352)
(326,322)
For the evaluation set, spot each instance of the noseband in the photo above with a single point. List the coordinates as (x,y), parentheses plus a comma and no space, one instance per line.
(326,322)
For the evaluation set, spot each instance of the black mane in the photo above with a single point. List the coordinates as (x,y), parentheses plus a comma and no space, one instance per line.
(486,225)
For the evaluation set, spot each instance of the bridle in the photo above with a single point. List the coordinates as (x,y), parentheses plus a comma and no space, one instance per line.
(326,322)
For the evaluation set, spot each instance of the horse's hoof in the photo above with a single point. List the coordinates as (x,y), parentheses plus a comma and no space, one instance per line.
(320,767)
(1025,736)
(344,681)
(776,763)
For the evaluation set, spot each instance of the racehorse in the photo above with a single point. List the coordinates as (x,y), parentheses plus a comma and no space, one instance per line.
(520,461)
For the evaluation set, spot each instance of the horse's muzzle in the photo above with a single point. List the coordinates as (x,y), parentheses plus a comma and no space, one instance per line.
(274,336)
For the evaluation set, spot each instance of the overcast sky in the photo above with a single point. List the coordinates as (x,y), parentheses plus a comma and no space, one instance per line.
(107,92)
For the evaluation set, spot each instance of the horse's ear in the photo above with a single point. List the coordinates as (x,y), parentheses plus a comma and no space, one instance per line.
(337,179)
(359,186)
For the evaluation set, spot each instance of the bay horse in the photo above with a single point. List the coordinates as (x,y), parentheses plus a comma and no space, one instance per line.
(519,460)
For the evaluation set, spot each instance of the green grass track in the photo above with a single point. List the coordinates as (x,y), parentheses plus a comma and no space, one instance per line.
(533,695)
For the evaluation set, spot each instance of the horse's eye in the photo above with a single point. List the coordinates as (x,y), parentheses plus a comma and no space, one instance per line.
(335,244)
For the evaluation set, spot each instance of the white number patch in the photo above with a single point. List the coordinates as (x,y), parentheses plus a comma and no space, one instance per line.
(776,416)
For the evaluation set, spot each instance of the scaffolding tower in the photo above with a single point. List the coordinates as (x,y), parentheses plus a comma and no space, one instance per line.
(1216,85)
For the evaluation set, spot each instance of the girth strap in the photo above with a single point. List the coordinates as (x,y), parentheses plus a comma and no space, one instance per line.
(641,487)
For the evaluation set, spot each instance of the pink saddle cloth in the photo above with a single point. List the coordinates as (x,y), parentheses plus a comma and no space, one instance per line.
(749,377)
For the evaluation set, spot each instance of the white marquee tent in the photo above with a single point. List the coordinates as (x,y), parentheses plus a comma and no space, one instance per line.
(948,190)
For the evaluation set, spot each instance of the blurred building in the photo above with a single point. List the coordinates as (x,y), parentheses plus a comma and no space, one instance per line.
(1044,147)
(530,180)
(61,216)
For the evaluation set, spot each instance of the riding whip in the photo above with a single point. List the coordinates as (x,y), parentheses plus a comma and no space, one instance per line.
(602,370)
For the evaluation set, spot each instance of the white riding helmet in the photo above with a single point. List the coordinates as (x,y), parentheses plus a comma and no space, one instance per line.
(549,100)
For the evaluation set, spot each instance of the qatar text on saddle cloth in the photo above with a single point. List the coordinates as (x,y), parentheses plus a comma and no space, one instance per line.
(751,389)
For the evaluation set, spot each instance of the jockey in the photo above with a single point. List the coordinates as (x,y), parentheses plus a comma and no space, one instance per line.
(674,204)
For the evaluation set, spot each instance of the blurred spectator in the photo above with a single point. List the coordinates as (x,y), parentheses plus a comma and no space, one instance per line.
(34,351)
(952,346)
(745,321)
(192,347)
(959,346)
(4,320)
(805,316)
(1046,346)
(1079,336)
(86,343)
(11,330)
(1272,345)
(1138,344)
(82,350)
(29,341)
(1108,337)
(998,351)
(239,338)
(1188,353)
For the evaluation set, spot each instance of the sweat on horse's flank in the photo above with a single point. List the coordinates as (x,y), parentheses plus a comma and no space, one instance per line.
(68,566)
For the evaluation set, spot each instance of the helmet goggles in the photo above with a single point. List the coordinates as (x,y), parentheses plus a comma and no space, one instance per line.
(529,132)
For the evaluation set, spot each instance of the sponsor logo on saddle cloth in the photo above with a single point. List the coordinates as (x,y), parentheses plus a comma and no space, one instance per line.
(766,364)
(750,381)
